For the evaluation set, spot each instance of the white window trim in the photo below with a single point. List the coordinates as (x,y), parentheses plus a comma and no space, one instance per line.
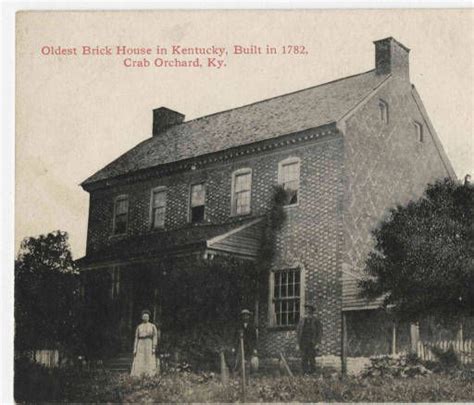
(153,190)
(120,197)
(190,200)
(271,308)
(244,170)
(284,162)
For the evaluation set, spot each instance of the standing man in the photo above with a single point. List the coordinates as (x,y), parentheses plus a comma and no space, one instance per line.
(309,333)
(249,332)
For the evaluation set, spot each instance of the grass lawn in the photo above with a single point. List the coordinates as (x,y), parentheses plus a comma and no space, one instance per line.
(100,386)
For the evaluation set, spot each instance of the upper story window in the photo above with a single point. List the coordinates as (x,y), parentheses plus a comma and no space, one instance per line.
(286,297)
(289,178)
(120,214)
(241,191)
(158,207)
(383,107)
(198,202)
(418,131)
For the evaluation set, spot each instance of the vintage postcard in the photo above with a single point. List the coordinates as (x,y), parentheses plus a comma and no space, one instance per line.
(244,206)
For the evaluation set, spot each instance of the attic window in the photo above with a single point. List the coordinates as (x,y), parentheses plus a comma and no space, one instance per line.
(383,107)
(418,131)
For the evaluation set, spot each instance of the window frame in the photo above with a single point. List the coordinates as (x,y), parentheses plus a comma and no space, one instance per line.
(286,162)
(121,197)
(115,273)
(419,131)
(190,205)
(154,190)
(233,205)
(272,300)
(384,111)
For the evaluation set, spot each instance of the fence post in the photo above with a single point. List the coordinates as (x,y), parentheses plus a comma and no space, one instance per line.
(242,361)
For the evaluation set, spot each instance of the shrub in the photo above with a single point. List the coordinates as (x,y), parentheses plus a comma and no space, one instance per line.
(403,366)
(447,358)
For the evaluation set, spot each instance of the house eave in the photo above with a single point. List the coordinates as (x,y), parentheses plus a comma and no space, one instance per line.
(295,138)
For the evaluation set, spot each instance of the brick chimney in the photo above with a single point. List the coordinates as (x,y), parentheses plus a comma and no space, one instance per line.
(163,118)
(391,57)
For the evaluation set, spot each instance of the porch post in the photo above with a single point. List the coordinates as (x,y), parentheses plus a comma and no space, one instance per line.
(394,338)
(414,336)
(344,345)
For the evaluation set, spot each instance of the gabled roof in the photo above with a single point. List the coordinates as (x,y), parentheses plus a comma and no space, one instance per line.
(271,118)
(240,238)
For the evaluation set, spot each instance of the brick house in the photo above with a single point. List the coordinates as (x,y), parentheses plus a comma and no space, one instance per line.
(347,150)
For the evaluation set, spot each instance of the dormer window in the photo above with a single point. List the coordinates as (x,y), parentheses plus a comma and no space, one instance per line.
(383,107)
(120,215)
(418,131)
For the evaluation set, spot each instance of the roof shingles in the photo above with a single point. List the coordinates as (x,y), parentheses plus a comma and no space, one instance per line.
(282,115)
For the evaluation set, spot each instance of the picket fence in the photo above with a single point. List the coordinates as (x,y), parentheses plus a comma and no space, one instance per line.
(464,349)
(47,358)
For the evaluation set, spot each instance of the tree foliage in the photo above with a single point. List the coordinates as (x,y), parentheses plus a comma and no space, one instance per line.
(423,261)
(46,293)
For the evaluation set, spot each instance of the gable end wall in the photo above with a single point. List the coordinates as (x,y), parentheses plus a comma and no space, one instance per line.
(385,165)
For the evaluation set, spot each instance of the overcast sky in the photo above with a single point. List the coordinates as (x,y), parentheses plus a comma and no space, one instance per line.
(76,114)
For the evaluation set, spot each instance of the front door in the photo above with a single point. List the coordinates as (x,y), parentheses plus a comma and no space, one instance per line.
(144,296)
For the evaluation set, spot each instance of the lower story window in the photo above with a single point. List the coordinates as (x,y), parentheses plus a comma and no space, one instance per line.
(286,297)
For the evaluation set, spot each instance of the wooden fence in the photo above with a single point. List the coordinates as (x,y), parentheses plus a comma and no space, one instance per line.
(47,358)
(464,349)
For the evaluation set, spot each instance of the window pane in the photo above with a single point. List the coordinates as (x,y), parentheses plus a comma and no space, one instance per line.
(197,195)
(289,177)
(242,182)
(197,213)
(291,290)
(242,202)
(290,172)
(159,198)
(286,295)
(120,223)
(159,217)
(121,206)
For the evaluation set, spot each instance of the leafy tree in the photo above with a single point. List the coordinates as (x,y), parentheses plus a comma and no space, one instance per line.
(423,261)
(46,293)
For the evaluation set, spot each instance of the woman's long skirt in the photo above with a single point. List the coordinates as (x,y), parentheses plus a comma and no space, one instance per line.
(144,362)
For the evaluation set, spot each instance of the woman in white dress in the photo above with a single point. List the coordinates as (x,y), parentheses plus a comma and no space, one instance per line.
(144,348)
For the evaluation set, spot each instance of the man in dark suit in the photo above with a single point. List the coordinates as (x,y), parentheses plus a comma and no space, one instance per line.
(309,333)
(249,333)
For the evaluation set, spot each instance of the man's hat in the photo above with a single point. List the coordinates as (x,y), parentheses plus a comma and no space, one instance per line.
(309,306)
(245,311)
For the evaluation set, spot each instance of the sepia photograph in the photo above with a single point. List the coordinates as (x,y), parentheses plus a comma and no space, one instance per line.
(219,206)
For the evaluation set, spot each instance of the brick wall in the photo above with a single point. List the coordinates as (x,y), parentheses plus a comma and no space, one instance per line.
(311,237)
(385,165)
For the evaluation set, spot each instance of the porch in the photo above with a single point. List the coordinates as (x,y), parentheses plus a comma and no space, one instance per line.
(134,273)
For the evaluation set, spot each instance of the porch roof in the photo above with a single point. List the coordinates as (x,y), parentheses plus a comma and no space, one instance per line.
(239,238)
(351,300)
